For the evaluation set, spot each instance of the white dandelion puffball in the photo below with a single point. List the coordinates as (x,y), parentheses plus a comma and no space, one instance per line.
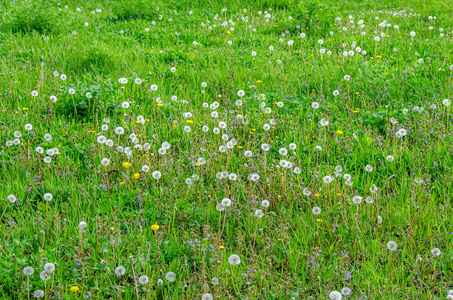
(226,202)
(105,162)
(435,252)
(259,213)
(316,210)
(335,295)
(143,279)
(207,297)
(234,259)
(82,225)
(392,246)
(28,127)
(170,276)
(49,268)
(12,198)
(48,196)
(120,271)
(157,175)
(28,271)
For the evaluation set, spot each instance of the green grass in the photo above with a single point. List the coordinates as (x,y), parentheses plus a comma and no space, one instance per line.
(287,252)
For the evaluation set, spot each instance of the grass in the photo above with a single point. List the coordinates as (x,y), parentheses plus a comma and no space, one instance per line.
(320,158)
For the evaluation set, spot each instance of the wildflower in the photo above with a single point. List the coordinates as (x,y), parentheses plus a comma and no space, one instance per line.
(155,227)
(207,297)
(392,246)
(74,289)
(120,271)
(49,268)
(316,210)
(339,132)
(335,295)
(170,276)
(435,252)
(143,279)
(28,271)
(126,165)
(82,225)
(48,196)
(234,259)
(136,176)
(38,294)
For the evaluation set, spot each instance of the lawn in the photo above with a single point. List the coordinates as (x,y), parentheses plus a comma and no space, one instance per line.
(210,149)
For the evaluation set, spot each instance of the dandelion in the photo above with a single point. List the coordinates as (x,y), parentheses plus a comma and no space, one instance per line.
(126,165)
(315,105)
(226,202)
(335,295)
(143,279)
(156,175)
(28,271)
(345,291)
(120,271)
(44,276)
(316,210)
(259,213)
(446,102)
(38,294)
(215,281)
(49,268)
(241,93)
(34,93)
(48,196)
(207,297)
(82,225)
(74,289)
(155,227)
(283,151)
(369,168)
(392,246)
(435,252)
(119,130)
(28,127)
(170,276)
(220,207)
(357,199)
(12,198)
(234,259)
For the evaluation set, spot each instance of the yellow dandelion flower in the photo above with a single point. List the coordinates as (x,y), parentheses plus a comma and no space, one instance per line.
(339,132)
(378,56)
(317,195)
(319,220)
(189,121)
(91,131)
(228,32)
(221,247)
(24,108)
(258,81)
(240,147)
(136,176)
(160,104)
(126,165)
(122,182)
(355,111)
(155,227)
(74,289)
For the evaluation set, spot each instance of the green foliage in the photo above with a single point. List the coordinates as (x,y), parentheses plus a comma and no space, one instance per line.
(34,17)
(316,16)
(132,10)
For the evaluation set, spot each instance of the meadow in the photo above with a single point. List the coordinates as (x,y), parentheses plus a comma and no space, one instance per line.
(210,149)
